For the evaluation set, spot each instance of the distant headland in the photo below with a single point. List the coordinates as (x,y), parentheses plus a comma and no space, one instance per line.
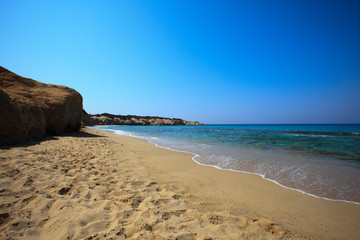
(110,119)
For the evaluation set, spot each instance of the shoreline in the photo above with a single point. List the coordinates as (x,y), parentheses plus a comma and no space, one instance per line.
(319,212)
(257,174)
(95,184)
(233,170)
(273,181)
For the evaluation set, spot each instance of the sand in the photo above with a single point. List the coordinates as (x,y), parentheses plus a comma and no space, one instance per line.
(98,185)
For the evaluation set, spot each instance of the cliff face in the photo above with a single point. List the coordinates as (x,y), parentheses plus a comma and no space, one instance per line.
(30,109)
(109,119)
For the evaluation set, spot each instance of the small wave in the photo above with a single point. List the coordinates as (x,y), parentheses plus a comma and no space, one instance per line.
(196,157)
(302,133)
(120,132)
(268,179)
(299,132)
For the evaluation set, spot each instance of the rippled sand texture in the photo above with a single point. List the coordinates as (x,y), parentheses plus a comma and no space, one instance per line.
(98,185)
(88,187)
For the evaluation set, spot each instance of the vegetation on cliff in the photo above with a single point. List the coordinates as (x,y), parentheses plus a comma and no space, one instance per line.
(110,119)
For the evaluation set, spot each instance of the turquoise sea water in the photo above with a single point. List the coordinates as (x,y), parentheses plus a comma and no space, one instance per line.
(321,160)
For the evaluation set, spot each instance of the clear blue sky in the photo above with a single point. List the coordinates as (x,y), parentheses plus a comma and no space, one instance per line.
(236,61)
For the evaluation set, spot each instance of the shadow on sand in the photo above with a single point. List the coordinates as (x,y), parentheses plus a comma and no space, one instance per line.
(80,133)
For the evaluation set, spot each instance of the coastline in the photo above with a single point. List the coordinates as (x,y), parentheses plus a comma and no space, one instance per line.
(322,218)
(257,174)
(111,186)
(197,159)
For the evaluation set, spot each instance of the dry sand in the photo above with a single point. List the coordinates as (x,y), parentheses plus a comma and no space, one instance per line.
(98,185)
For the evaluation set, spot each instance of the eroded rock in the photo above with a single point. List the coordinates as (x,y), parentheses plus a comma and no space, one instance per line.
(30,109)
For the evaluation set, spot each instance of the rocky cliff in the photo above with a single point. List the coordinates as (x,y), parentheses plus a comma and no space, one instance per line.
(110,119)
(30,109)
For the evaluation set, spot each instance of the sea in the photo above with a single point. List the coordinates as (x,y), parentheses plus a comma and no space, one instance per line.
(321,160)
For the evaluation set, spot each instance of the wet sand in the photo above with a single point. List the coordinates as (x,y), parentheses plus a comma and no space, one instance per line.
(99,185)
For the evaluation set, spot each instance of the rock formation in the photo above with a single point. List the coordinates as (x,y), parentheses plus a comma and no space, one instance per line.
(86,119)
(109,119)
(30,109)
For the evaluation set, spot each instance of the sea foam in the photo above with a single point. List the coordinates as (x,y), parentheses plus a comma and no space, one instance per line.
(315,175)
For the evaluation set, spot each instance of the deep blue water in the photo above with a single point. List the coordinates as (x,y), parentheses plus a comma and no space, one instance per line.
(323,160)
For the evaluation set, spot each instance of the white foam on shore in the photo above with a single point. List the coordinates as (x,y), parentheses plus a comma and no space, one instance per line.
(195,155)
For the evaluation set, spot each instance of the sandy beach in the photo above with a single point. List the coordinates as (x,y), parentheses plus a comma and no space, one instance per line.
(99,185)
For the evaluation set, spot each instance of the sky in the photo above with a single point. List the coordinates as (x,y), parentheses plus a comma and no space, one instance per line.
(230,62)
